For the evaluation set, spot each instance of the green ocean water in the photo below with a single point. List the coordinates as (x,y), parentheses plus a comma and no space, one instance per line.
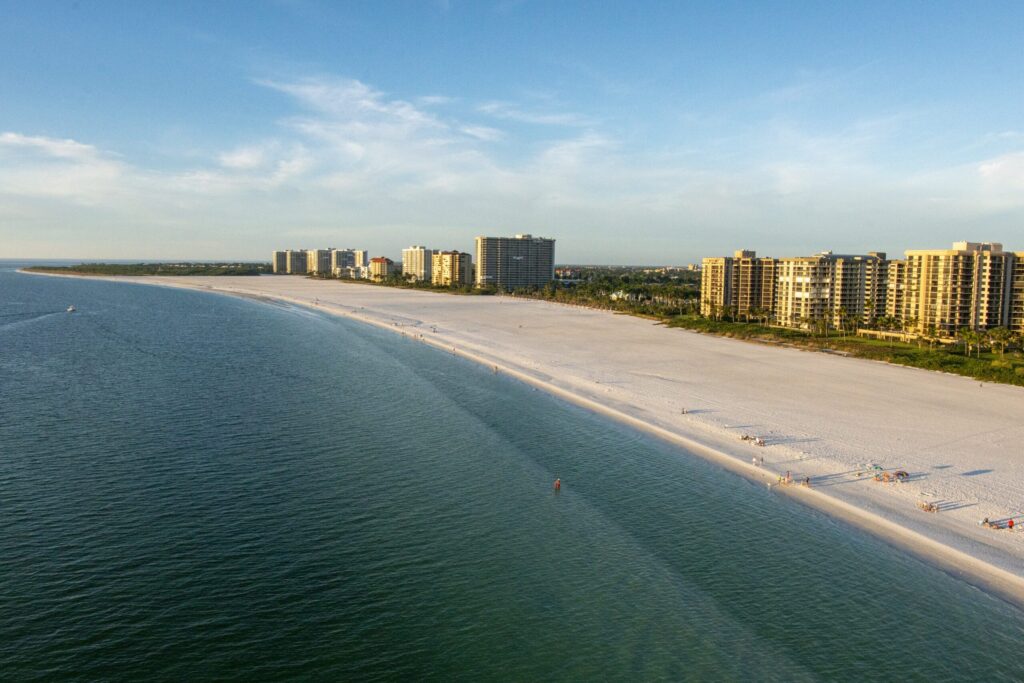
(201,487)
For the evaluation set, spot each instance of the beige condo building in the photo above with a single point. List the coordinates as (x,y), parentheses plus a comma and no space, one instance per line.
(741,282)
(973,285)
(318,261)
(966,287)
(876,286)
(381,268)
(451,268)
(1016,318)
(895,287)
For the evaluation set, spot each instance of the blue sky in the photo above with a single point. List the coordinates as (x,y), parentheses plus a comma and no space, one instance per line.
(632,132)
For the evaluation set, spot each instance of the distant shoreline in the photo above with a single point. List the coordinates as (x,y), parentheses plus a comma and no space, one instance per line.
(965,565)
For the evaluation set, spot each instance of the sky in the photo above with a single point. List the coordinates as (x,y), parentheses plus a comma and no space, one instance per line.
(632,132)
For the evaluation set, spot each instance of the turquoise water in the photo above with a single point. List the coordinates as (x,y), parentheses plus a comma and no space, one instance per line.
(195,486)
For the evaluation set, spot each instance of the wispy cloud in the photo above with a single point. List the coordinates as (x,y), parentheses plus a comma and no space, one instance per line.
(510,112)
(243,158)
(51,147)
(1006,170)
(485,133)
(384,169)
(65,169)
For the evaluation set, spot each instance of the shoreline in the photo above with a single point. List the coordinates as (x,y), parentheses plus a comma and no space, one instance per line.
(961,563)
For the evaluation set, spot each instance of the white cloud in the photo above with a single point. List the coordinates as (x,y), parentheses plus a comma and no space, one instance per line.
(1006,171)
(50,147)
(509,112)
(243,158)
(59,169)
(378,170)
(485,133)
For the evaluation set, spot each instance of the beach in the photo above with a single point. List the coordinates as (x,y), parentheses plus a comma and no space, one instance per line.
(823,417)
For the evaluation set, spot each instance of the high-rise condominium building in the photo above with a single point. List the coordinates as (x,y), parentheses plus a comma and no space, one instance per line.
(1016,319)
(451,268)
(895,289)
(516,262)
(318,261)
(974,285)
(342,260)
(966,287)
(741,282)
(876,286)
(825,287)
(362,257)
(416,263)
(280,261)
(380,268)
(295,261)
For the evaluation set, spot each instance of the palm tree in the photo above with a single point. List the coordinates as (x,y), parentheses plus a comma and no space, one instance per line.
(971,340)
(1000,338)
(964,335)
(843,316)
(909,324)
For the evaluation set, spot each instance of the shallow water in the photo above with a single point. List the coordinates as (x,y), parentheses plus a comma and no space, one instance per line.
(197,486)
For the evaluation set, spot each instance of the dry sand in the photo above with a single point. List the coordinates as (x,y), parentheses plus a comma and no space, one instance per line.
(822,416)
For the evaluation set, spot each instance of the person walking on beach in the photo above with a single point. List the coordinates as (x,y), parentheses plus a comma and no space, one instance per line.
(1009,524)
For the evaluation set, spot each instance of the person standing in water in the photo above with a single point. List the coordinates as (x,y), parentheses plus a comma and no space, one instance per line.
(558,484)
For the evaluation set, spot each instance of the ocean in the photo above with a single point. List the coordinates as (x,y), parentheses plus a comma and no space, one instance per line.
(195,486)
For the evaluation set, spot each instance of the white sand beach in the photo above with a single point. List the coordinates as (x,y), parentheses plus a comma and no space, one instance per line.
(821,416)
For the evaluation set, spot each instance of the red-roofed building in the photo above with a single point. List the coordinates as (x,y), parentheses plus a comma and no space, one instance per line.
(380,268)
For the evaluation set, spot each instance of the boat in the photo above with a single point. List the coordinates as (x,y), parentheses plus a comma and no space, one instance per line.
(71,309)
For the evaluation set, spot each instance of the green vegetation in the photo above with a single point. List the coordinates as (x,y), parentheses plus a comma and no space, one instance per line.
(634,290)
(183,268)
(994,356)
(397,280)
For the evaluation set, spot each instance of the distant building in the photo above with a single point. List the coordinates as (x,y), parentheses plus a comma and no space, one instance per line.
(416,263)
(295,262)
(318,261)
(381,268)
(516,262)
(362,258)
(352,273)
(451,268)
(895,289)
(876,286)
(741,283)
(280,261)
(342,259)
